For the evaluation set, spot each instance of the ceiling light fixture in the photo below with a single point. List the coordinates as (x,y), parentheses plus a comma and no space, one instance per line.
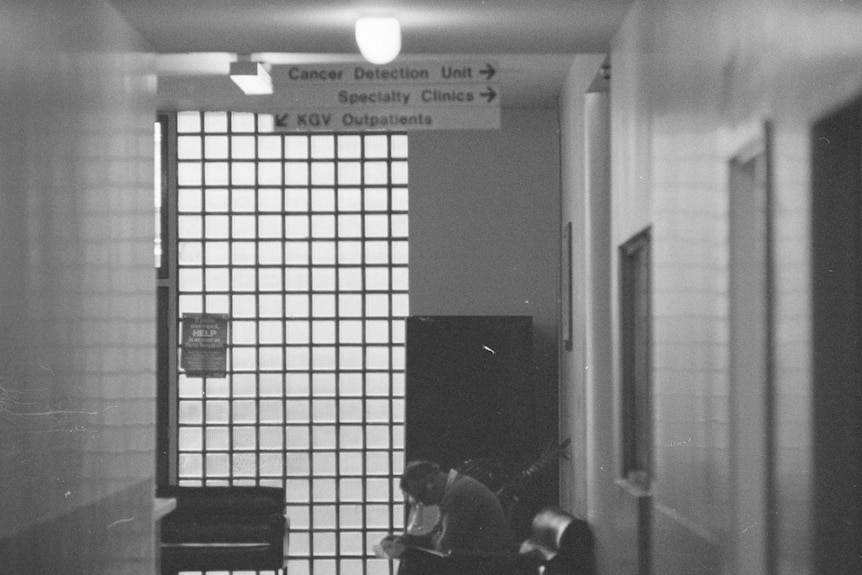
(378,38)
(251,77)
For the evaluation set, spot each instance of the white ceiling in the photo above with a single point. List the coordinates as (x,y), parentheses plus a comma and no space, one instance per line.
(532,41)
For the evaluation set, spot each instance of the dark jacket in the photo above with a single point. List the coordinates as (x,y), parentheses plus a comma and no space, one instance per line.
(471,518)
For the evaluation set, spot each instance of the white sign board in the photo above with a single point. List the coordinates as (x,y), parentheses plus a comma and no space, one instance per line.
(415,96)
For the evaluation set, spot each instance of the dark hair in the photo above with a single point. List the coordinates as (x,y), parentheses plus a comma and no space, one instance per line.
(417,471)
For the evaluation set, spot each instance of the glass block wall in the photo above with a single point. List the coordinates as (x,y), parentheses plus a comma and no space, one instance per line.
(302,240)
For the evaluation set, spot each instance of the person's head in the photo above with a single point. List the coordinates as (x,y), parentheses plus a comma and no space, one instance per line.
(424,481)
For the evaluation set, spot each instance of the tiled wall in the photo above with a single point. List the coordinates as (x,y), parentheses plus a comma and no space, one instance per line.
(76,294)
(693,84)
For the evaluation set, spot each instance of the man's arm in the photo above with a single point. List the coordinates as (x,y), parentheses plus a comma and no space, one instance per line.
(394,546)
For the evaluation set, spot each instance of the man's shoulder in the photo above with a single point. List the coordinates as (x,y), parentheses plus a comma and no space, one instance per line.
(466,484)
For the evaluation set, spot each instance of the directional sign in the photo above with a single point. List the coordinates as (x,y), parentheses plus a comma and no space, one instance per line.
(406,73)
(352,96)
(406,96)
(429,118)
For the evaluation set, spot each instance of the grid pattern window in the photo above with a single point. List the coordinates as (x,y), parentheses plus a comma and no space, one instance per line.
(301,239)
(636,339)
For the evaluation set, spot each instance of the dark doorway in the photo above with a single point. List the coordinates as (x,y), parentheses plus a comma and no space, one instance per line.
(837,298)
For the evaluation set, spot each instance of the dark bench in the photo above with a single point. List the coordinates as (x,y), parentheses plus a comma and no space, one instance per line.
(223,528)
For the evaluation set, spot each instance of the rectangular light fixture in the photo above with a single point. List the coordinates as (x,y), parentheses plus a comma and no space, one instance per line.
(251,77)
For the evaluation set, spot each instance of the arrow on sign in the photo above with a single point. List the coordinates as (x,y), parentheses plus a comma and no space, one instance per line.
(489,94)
(488,71)
(281,121)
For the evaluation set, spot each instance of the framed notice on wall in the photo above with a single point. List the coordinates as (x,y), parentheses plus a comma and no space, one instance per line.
(204,344)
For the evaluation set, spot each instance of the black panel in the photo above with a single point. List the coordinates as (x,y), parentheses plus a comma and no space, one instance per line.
(468,389)
(836,212)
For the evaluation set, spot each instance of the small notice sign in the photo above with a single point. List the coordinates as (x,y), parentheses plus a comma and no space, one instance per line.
(204,341)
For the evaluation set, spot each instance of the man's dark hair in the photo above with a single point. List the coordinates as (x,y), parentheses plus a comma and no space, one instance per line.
(418,471)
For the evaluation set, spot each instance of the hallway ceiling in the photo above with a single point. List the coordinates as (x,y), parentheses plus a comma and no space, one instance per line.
(532,41)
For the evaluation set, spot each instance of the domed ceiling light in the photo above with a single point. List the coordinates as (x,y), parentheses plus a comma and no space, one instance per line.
(378,38)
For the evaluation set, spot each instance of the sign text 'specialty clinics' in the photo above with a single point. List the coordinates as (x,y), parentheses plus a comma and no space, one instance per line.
(413,95)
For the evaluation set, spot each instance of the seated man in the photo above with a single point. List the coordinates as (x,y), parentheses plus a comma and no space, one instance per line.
(471,518)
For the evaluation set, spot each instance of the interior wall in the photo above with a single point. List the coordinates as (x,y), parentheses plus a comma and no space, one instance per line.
(575,209)
(484,231)
(77,334)
(692,85)
(586,396)
(605,214)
